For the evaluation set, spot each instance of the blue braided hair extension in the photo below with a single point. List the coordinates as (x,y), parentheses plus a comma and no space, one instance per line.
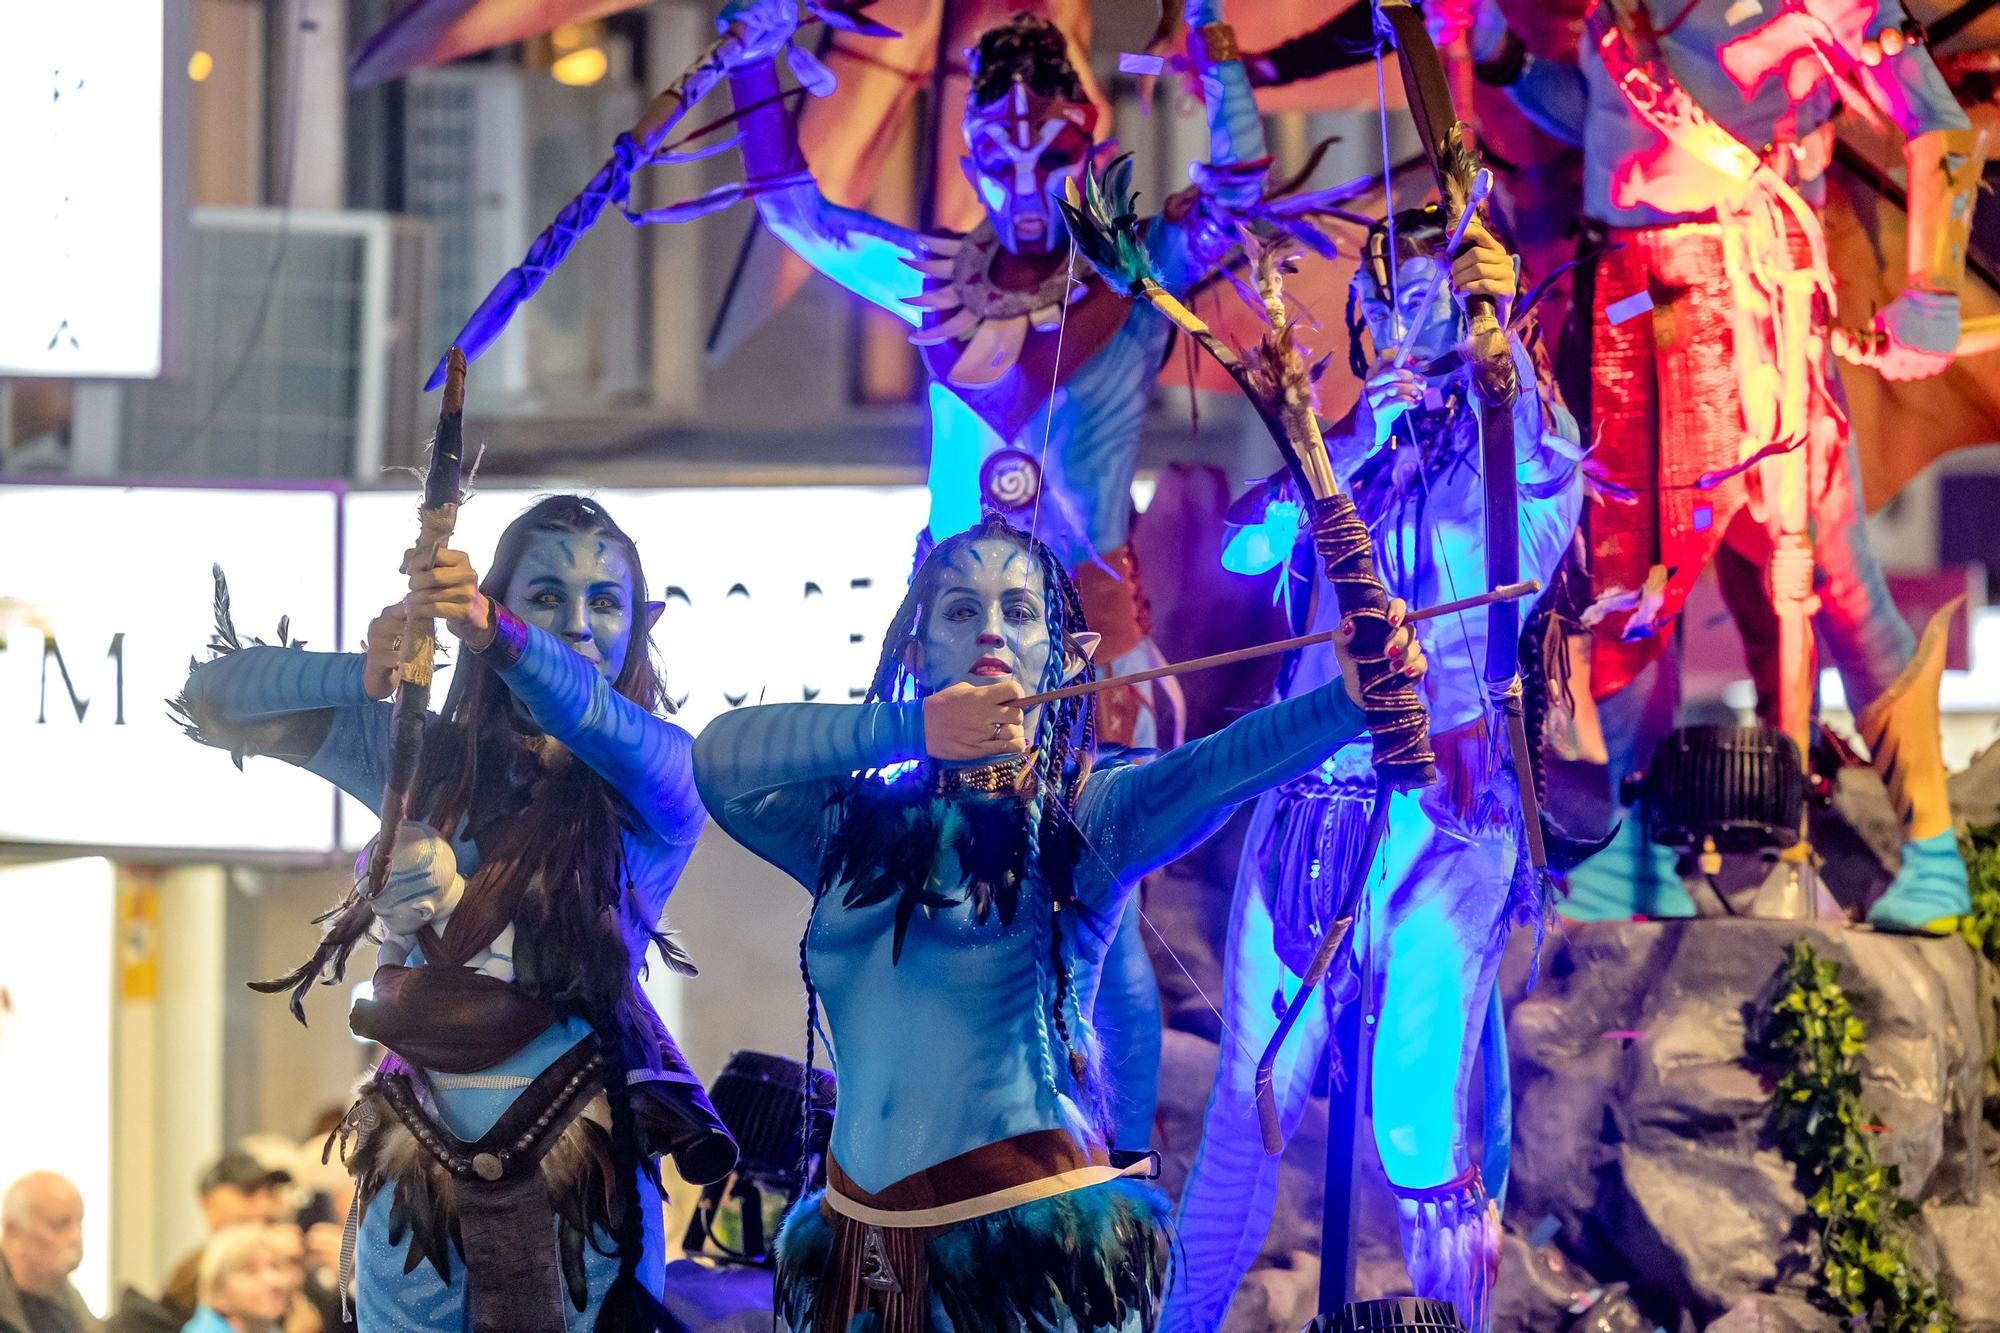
(1049,946)
(1063,745)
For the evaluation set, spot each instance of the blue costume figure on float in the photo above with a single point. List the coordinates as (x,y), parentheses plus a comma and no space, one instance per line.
(505,1153)
(1040,376)
(1718,423)
(1437,909)
(968,863)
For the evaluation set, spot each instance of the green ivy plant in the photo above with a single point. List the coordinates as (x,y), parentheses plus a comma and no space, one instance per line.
(1980,928)
(1980,845)
(1809,1029)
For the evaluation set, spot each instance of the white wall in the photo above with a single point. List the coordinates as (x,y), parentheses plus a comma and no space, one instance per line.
(55,1058)
(168,1047)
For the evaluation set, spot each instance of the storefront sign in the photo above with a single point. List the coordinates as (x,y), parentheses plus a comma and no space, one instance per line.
(772,595)
(82,95)
(105,595)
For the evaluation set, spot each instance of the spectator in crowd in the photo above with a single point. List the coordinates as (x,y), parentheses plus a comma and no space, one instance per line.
(303,1311)
(323,1192)
(41,1243)
(242,1282)
(236,1191)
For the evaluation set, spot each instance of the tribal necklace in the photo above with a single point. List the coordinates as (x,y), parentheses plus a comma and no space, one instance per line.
(992,322)
(886,838)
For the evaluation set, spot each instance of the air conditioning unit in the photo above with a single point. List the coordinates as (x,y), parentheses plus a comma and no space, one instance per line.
(304,350)
(491,155)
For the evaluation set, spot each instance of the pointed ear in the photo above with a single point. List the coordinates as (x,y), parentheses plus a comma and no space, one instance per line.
(1083,650)
(913,656)
(653,612)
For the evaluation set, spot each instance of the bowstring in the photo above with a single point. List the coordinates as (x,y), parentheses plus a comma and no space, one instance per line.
(1390,270)
(1112,877)
(1034,531)
(1438,557)
(1055,382)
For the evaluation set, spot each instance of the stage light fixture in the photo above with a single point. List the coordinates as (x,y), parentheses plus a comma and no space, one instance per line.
(580,69)
(1398,1314)
(758,1097)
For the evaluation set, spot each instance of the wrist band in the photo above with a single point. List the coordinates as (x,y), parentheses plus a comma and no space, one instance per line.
(510,639)
(1218,44)
(1505,67)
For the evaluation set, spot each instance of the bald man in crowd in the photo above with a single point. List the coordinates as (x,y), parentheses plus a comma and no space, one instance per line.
(41,1243)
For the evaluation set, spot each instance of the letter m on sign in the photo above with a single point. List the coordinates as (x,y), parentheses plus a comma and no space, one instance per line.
(80,704)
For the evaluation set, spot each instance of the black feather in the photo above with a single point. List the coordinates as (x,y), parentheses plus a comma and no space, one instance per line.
(991,842)
(1089,1260)
(225,640)
(569,1242)
(906,909)
(225,625)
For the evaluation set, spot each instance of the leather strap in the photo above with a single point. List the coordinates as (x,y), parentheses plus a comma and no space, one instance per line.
(986,1180)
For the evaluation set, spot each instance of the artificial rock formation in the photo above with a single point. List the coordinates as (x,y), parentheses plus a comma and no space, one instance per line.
(1643,1123)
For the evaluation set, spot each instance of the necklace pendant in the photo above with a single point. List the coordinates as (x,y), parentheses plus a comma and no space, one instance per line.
(877,1273)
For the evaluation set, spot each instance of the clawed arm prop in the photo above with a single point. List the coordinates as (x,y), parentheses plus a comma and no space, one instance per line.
(612,185)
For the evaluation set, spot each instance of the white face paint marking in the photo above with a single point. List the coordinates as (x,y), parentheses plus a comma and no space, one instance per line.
(1441,329)
(1025,156)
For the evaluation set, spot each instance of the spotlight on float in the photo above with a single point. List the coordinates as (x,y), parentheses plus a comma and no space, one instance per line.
(1395,1315)
(758,1098)
(1732,801)
(579,59)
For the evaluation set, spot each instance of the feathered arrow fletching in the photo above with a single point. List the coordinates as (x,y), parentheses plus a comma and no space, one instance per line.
(1105,225)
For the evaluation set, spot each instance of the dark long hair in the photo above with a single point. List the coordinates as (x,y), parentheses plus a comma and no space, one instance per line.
(577,922)
(548,828)
(1027,48)
(578,927)
(1062,750)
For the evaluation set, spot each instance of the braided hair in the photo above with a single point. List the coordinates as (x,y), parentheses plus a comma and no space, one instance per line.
(580,928)
(1063,746)
(1027,49)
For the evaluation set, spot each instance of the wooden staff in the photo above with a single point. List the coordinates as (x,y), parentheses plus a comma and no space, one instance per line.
(1103,221)
(436,519)
(1512,592)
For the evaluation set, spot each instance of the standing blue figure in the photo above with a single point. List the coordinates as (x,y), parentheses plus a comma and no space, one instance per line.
(968,864)
(1040,375)
(506,1152)
(1432,917)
